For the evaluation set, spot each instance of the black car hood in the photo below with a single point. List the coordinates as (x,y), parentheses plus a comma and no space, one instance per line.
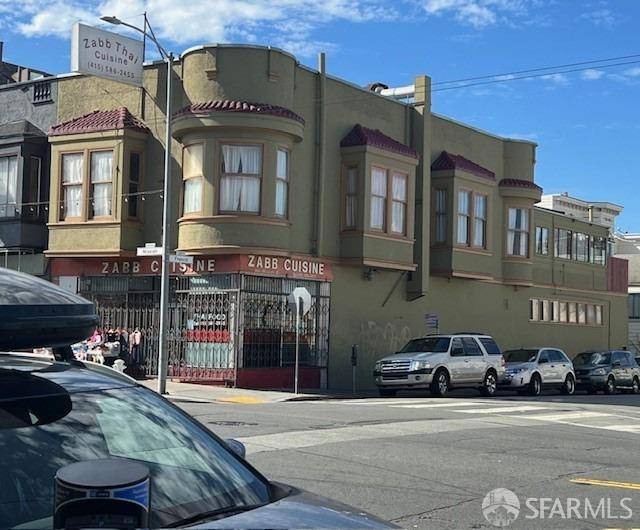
(300,509)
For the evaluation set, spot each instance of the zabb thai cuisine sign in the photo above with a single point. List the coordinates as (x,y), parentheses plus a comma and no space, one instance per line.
(106,54)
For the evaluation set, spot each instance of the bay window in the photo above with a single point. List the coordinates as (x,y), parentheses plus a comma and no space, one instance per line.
(101,180)
(464,217)
(282,182)
(518,232)
(8,186)
(192,175)
(72,176)
(378,198)
(480,221)
(133,200)
(241,178)
(399,203)
(351,198)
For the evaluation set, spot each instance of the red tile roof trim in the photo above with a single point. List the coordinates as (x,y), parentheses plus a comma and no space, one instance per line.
(100,120)
(227,105)
(360,135)
(448,161)
(519,183)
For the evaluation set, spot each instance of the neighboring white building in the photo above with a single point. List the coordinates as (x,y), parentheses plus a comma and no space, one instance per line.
(627,246)
(602,213)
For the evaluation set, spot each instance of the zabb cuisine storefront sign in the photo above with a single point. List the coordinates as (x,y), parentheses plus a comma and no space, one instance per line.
(106,54)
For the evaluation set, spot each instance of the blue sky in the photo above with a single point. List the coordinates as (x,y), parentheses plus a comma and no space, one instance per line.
(587,123)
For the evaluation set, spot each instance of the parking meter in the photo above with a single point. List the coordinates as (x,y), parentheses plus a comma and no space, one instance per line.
(354,355)
(108,493)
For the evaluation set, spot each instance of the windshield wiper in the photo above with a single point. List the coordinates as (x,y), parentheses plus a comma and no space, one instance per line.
(228,510)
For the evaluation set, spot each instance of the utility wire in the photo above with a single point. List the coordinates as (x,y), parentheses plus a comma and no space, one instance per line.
(541,69)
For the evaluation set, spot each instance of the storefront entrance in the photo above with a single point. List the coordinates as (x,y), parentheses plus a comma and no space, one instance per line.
(235,329)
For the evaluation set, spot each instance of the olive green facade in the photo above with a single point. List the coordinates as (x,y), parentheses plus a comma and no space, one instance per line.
(385,279)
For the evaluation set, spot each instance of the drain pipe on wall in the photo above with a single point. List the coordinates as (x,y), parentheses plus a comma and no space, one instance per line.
(321,127)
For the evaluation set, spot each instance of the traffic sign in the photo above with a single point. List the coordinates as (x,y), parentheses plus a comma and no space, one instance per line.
(181,258)
(148,250)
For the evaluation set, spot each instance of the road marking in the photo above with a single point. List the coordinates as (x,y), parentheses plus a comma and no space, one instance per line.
(435,405)
(496,410)
(606,483)
(622,428)
(311,438)
(243,400)
(562,417)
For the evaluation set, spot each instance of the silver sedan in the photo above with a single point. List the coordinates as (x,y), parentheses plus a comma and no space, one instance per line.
(529,370)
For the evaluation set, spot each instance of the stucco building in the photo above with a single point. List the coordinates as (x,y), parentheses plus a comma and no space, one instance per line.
(284,176)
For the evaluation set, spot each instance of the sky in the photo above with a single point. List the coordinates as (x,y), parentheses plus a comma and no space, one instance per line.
(586,122)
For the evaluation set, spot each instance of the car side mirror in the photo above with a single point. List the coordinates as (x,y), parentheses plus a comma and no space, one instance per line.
(617,364)
(237,447)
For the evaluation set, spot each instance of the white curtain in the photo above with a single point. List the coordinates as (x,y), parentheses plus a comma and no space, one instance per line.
(378,197)
(101,177)
(72,176)
(480,224)
(283,164)
(192,195)
(351,198)
(243,159)
(240,194)
(8,186)
(398,210)
(282,176)
(192,163)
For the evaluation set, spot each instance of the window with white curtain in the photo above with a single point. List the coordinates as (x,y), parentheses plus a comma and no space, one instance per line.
(378,198)
(240,180)
(518,232)
(101,183)
(72,172)
(192,175)
(399,203)
(282,182)
(351,198)
(464,217)
(480,221)
(441,216)
(8,186)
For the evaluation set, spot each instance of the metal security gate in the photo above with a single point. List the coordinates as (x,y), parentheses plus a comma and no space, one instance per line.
(202,342)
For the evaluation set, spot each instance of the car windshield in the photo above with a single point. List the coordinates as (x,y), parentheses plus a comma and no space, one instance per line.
(191,471)
(588,358)
(520,356)
(428,344)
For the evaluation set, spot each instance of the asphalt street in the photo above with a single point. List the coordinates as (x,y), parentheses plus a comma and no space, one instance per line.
(423,462)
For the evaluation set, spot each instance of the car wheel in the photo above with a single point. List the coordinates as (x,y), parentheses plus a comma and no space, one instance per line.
(610,387)
(490,384)
(535,385)
(440,383)
(387,392)
(569,386)
(635,386)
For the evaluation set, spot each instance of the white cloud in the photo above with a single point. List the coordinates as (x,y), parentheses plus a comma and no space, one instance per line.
(482,13)
(289,23)
(633,72)
(556,79)
(601,17)
(591,74)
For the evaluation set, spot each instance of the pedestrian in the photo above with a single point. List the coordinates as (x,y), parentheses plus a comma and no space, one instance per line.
(123,339)
(136,340)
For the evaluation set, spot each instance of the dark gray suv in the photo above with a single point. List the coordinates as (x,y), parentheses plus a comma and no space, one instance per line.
(608,371)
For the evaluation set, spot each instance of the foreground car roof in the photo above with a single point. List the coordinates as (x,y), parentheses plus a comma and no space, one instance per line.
(23,373)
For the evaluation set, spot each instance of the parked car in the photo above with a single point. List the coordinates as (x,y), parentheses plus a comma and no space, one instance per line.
(59,415)
(608,371)
(440,363)
(533,369)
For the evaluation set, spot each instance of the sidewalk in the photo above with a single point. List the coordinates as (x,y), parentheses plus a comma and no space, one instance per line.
(177,391)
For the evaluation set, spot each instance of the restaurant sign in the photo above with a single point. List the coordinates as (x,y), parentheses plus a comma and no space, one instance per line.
(284,266)
(106,54)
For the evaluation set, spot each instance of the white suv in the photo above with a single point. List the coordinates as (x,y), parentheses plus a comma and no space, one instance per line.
(442,362)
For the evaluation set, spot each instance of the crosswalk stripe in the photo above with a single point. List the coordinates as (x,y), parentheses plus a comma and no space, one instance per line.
(497,410)
(567,416)
(435,405)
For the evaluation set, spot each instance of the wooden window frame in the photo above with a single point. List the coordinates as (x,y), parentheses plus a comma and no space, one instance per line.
(89,184)
(468,217)
(385,212)
(484,220)
(286,181)
(508,252)
(62,217)
(440,216)
(346,195)
(392,201)
(138,198)
(540,249)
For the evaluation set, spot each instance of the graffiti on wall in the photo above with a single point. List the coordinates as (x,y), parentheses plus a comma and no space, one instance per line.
(377,340)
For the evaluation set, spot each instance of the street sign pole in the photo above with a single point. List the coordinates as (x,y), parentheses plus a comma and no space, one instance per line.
(295,389)
(166,224)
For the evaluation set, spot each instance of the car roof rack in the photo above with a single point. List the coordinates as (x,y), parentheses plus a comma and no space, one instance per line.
(468,333)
